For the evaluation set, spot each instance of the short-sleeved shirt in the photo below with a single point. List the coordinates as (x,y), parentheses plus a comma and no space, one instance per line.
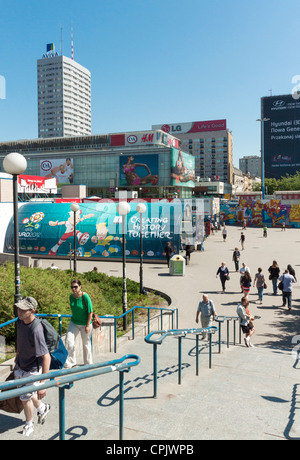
(80,309)
(206,309)
(288,281)
(31,346)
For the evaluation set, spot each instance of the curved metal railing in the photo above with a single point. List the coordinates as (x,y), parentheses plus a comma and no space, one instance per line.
(172,311)
(64,379)
(178,333)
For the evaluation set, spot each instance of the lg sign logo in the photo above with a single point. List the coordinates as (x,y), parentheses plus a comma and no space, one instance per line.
(173,128)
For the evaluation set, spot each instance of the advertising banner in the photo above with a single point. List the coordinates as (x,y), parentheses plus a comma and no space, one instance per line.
(36,184)
(138,170)
(48,229)
(182,168)
(281,135)
(59,168)
(192,127)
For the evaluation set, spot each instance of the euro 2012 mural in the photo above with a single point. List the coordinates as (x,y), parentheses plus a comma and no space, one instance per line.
(257,213)
(48,229)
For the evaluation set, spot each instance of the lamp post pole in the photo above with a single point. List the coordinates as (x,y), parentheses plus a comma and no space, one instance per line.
(15,164)
(262,130)
(141,208)
(123,209)
(75,208)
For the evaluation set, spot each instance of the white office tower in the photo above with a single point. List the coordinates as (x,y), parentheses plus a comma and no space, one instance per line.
(64,96)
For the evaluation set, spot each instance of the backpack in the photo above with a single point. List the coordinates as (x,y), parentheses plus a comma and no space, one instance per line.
(54,344)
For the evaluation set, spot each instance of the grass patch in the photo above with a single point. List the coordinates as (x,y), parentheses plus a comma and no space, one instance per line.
(51,288)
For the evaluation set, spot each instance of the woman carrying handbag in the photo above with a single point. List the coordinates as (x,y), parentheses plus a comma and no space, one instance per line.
(81,323)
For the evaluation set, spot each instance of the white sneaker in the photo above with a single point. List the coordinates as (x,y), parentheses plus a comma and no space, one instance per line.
(41,417)
(251,345)
(247,341)
(27,430)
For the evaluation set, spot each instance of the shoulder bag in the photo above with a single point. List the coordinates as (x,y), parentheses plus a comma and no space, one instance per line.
(96,320)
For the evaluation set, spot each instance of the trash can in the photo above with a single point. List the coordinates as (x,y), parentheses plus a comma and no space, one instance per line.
(177,265)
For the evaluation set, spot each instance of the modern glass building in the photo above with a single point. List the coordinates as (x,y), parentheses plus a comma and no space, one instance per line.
(150,163)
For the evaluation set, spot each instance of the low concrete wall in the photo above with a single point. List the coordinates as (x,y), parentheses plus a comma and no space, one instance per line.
(25,261)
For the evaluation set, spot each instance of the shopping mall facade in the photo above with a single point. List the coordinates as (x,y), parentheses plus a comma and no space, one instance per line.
(150,163)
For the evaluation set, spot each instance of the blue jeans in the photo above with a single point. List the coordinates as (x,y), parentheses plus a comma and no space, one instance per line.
(288,296)
(260,291)
(274,282)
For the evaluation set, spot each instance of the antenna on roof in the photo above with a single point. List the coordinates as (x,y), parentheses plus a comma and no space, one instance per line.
(61,41)
(72,45)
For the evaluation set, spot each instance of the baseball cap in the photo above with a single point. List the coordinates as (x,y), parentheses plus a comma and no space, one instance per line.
(27,303)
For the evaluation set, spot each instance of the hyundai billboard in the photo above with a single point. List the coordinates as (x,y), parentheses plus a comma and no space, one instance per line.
(281,135)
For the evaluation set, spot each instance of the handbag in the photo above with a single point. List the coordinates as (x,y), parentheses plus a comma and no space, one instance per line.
(280,286)
(96,320)
(265,286)
(13,405)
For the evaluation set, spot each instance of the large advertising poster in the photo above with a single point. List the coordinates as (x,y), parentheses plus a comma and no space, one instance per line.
(182,168)
(59,168)
(138,170)
(36,185)
(281,135)
(48,229)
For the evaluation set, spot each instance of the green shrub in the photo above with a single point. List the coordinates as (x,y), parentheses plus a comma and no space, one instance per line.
(51,288)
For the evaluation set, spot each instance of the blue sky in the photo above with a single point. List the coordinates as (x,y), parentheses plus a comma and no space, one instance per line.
(154,61)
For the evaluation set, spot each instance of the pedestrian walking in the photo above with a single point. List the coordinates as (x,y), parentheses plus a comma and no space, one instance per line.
(283,226)
(243,270)
(246,321)
(169,252)
(33,358)
(246,283)
(207,312)
(242,240)
(82,312)
(265,234)
(236,258)
(223,272)
(291,271)
(260,282)
(274,271)
(188,251)
(224,233)
(287,288)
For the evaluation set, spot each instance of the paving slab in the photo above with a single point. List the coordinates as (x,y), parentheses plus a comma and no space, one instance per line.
(248,394)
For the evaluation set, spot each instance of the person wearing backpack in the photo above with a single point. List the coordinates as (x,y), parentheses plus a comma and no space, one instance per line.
(82,314)
(33,358)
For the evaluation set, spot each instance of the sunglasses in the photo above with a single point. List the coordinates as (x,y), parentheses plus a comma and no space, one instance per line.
(75,286)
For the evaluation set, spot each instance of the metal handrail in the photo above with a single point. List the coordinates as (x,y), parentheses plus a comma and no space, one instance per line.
(64,379)
(222,319)
(179,333)
(115,318)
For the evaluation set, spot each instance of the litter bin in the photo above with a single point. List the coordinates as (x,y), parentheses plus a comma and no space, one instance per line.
(177,265)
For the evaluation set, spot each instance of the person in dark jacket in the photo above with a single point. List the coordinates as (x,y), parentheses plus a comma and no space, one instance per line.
(169,252)
(274,271)
(223,272)
(236,259)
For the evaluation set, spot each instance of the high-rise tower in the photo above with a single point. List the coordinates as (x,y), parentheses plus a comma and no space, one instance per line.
(64,96)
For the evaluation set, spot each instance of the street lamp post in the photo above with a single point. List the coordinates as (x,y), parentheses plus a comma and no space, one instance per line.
(75,208)
(262,130)
(141,208)
(14,163)
(123,209)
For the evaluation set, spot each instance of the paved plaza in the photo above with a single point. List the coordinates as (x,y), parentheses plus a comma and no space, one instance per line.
(248,393)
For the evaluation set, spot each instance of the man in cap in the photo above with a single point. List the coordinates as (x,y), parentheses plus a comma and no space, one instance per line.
(32,359)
